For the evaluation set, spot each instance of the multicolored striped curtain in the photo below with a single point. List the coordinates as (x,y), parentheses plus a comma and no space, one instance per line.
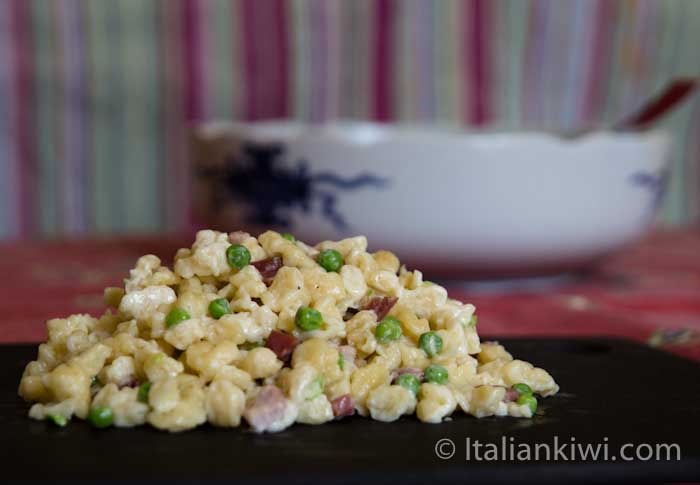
(96,96)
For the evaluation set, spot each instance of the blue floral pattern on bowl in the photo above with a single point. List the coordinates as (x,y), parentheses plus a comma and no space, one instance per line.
(270,191)
(656,184)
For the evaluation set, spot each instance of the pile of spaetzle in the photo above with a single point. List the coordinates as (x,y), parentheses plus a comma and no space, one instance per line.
(270,331)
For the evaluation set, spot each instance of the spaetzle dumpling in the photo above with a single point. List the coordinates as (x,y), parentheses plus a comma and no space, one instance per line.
(272,331)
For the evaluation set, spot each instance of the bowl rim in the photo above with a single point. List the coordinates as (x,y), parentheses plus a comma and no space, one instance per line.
(369,132)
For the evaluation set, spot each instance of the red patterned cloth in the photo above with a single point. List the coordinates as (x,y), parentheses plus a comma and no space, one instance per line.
(649,293)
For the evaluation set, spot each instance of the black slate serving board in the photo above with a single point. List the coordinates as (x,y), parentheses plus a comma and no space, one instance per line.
(610,389)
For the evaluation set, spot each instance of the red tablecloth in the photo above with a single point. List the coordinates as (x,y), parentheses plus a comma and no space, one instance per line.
(650,292)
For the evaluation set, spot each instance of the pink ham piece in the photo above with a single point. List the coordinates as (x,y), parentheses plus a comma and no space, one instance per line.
(511,395)
(268,408)
(343,406)
(381,305)
(268,268)
(282,344)
(407,370)
(238,237)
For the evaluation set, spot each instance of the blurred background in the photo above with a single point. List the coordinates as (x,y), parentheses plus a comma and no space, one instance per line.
(97,96)
(98,99)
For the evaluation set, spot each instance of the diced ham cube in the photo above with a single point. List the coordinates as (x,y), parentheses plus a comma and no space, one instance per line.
(268,268)
(381,305)
(343,406)
(407,370)
(282,344)
(511,395)
(270,411)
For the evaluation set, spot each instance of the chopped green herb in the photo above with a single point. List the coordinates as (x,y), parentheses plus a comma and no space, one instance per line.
(251,345)
(57,419)
(341,361)
(144,389)
(314,389)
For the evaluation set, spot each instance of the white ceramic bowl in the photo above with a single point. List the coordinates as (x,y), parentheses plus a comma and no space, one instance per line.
(456,202)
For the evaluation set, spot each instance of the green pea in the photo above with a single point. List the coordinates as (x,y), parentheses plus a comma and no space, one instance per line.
(431,343)
(522,388)
(219,307)
(388,329)
(237,256)
(530,400)
(314,389)
(144,389)
(409,381)
(57,419)
(436,374)
(308,318)
(288,236)
(176,316)
(101,417)
(330,260)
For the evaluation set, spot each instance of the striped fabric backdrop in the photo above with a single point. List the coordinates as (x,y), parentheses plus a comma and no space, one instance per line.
(96,95)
